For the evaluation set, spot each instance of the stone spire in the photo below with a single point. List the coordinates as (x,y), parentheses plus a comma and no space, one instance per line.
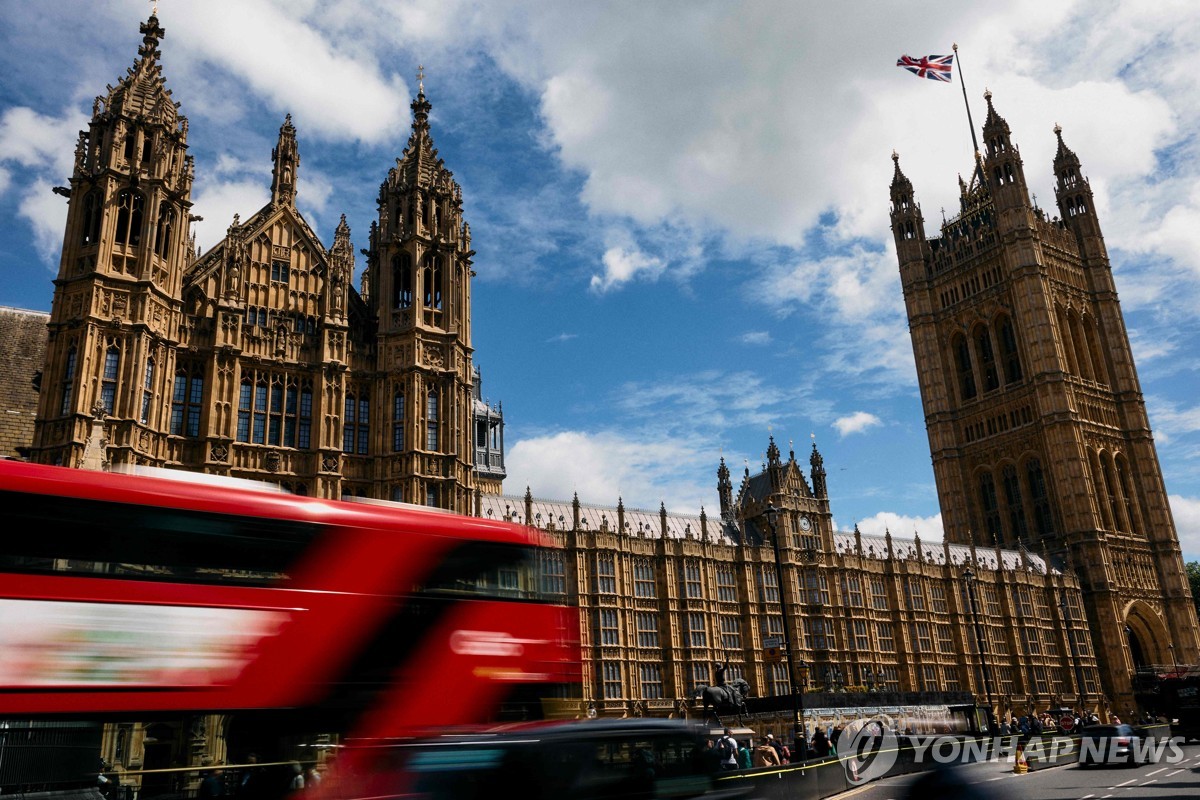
(286,156)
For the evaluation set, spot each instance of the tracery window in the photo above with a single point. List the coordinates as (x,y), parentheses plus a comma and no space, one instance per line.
(356,421)
(68,381)
(108,381)
(1008,351)
(987,358)
(129,218)
(402,280)
(163,230)
(398,420)
(147,392)
(962,362)
(431,420)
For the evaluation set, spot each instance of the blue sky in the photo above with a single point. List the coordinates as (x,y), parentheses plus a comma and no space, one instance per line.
(680,208)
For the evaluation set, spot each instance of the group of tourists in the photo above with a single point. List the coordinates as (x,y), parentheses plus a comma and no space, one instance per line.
(730,754)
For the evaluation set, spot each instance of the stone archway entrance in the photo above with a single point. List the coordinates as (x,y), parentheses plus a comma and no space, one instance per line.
(1146,636)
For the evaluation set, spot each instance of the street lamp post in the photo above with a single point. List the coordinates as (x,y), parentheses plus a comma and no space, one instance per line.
(772,514)
(1067,620)
(969,577)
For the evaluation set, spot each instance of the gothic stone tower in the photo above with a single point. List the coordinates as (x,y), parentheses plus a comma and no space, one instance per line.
(1036,422)
(259,359)
(418,288)
(117,310)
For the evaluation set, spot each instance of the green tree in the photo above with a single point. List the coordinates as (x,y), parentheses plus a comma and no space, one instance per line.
(1193,576)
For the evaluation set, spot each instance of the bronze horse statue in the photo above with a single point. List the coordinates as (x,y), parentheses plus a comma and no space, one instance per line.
(727,699)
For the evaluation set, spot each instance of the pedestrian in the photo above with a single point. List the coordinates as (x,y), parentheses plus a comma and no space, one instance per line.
(249,785)
(777,746)
(745,758)
(820,743)
(1005,730)
(297,782)
(837,735)
(727,750)
(765,755)
(213,784)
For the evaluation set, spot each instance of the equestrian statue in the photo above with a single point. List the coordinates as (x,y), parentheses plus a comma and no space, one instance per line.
(723,697)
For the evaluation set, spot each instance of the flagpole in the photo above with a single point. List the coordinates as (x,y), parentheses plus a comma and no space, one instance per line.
(970,122)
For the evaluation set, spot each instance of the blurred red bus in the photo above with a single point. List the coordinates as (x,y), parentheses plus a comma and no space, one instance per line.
(137,594)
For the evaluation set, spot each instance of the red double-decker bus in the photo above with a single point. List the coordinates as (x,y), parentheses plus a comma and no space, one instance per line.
(140,595)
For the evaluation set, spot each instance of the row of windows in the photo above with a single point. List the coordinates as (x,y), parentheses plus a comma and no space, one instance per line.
(432,280)
(1081,345)
(130,213)
(272,409)
(1116,498)
(1005,515)
(262,317)
(1039,678)
(983,362)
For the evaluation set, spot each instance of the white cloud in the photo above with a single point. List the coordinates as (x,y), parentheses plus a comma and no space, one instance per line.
(293,65)
(1186,511)
(903,526)
(46,213)
(755,337)
(45,144)
(218,201)
(563,337)
(858,422)
(622,265)
(603,467)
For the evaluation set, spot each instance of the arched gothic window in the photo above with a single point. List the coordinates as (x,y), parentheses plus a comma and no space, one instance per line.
(989,506)
(1008,351)
(987,358)
(1043,517)
(90,220)
(1016,506)
(163,230)
(402,280)
(129,218)
(962,362)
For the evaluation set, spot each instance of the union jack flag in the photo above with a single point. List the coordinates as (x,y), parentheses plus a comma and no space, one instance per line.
(936,68)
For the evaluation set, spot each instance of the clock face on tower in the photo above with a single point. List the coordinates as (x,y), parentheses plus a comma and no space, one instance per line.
(804,523)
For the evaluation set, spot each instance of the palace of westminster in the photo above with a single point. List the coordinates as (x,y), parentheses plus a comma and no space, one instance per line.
(261,359)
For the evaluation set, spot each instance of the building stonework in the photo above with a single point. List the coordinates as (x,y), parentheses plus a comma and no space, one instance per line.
(259,358)
(262,359)
(22,351)
(1037,426)
(665,597)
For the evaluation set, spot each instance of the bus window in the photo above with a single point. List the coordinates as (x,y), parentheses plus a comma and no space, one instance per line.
(66,534)
(486,569)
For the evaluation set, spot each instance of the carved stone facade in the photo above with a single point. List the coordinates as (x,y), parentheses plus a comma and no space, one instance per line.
(1036,421)
(665,597)
(259,358)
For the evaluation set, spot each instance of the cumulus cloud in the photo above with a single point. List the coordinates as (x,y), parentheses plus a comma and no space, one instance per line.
(44,143)
(603,467)
(294,66)
(622,265)
(218,201)
(1186,511)
(903,526)
(37,154)
(858,422)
